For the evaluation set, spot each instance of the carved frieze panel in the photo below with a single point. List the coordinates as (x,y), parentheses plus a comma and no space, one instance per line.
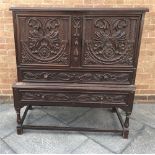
(45,40)
(109,40)
(73,97)
(80,77)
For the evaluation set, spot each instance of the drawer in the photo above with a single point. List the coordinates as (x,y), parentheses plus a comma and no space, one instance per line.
(81,76)
(73,94)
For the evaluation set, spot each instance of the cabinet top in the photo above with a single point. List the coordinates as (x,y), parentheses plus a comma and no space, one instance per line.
(139,9)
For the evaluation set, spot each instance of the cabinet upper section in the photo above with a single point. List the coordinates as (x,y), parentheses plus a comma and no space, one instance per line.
(78,37)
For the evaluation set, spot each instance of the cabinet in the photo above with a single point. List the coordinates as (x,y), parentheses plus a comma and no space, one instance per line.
(76,57)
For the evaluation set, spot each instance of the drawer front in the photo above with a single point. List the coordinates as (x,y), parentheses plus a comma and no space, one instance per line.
(104,76)
(110,40)
(43,39)
(79,98)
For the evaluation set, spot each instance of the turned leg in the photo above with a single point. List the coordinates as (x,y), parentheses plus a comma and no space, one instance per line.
(19,122)
(126,125)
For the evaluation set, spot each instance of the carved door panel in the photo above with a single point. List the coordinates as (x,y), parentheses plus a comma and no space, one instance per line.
(44,40)
(109,41)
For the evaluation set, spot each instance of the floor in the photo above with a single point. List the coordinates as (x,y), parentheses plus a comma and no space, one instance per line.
(141,137)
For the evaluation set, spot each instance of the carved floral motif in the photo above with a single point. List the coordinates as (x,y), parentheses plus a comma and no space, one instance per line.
(43,43)
(72,97)
(76,27)
(110,43)
(77,76)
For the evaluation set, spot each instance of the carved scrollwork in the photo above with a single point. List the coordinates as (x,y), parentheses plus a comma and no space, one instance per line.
(44,43)
(77,76)
(110,43)
(72,97)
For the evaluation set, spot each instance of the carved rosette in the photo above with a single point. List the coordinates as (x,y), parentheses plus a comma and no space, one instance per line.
(72,97)
(43,43)
(77,76)
(110,43)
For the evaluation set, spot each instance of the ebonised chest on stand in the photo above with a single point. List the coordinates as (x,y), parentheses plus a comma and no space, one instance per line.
(76,57)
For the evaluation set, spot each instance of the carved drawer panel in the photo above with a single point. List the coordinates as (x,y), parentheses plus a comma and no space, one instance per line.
(43,40)
(110,41)
(53,97)
(104,76)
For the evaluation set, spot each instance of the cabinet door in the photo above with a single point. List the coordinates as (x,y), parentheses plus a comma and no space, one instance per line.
(43,39)
(110,41)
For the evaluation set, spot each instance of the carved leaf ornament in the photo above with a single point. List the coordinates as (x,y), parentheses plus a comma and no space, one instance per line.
(43,44)
(77,76)
(110,44)
(102,98)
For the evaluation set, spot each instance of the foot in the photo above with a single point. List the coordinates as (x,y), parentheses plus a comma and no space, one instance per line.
(19,131)
(113,110)
(30,107)
(125,134)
